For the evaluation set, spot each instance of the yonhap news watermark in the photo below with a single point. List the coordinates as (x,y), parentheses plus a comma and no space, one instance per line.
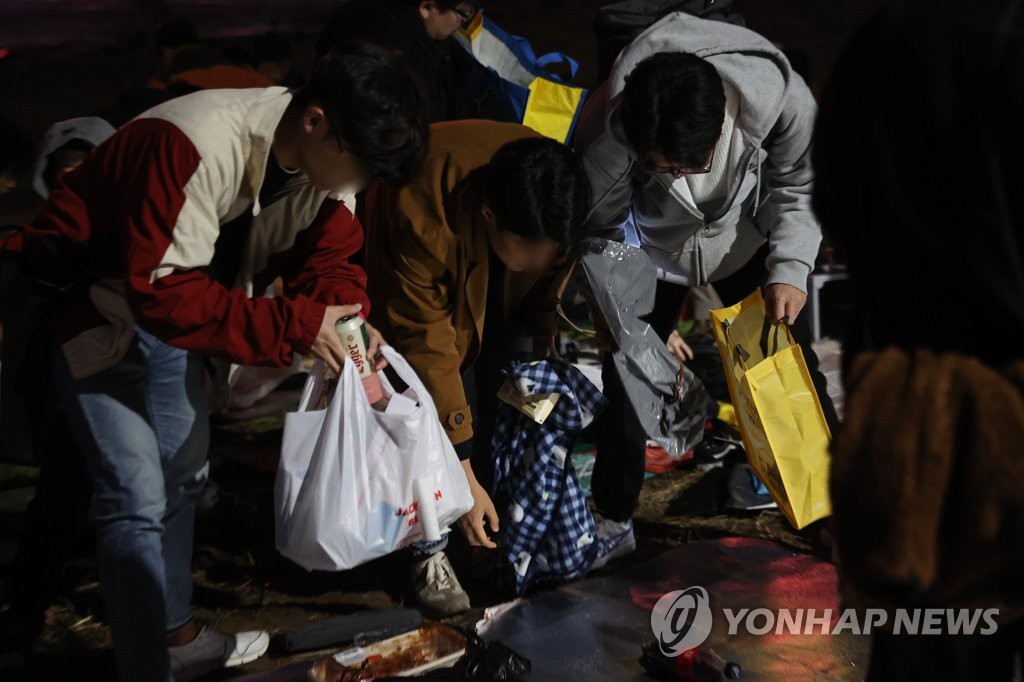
(905,621)
(683,620)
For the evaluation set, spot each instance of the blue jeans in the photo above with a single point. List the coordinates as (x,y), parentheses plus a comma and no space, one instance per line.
(421,549)
(144,430)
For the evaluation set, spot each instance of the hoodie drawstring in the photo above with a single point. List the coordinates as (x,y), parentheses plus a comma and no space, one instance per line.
(757,192)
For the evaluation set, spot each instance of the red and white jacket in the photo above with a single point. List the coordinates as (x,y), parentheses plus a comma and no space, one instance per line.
(140,219)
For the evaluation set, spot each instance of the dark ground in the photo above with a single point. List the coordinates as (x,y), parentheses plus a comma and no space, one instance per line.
(241,581)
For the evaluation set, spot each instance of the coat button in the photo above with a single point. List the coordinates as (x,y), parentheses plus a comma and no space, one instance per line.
(459,419)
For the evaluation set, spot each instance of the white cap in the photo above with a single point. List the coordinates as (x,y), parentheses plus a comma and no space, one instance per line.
(89,129)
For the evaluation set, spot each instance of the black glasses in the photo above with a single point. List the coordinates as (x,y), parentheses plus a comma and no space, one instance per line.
(677,172)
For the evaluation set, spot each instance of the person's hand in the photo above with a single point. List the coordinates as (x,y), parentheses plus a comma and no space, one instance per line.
(472,522)
(327,345)
(679,348)
(784,302)
(373,352)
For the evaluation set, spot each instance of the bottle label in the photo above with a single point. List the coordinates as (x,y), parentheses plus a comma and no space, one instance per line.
(352,333)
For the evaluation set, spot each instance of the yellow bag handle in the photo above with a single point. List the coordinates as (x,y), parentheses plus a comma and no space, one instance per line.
(766,342)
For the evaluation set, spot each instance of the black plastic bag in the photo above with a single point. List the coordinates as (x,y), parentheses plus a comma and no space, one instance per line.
(493,661)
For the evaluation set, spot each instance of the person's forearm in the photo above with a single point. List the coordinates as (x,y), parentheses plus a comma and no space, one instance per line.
(470,476)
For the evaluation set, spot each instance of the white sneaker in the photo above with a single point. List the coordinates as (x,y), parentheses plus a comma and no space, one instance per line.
(437,589)
(212,650)
(614,539)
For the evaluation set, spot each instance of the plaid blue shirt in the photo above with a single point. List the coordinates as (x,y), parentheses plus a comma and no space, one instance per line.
(549,534)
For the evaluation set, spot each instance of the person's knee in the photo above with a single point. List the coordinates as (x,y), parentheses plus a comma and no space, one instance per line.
(135,504)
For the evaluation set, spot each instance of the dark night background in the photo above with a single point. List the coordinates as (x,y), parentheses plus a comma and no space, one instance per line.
(64,57)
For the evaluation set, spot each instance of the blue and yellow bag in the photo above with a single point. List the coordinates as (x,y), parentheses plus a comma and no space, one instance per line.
(529,91)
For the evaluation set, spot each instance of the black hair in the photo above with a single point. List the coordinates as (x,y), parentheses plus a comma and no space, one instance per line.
(176,33)
(374,107)
(674,103)
(537,189)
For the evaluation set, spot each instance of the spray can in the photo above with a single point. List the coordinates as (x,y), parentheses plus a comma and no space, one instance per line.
(354,338)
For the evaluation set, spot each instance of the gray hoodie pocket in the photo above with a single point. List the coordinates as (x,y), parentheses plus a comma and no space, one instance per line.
(725,251)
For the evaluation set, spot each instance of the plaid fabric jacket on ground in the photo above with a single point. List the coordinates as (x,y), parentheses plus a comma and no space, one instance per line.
(549,533)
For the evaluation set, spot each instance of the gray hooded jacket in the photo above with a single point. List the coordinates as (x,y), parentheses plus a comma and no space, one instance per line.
(769,189)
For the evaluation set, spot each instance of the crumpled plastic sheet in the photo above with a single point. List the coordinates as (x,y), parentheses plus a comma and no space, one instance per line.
(622,283)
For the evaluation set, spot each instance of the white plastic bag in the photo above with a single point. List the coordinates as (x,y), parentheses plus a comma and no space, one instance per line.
(355,483)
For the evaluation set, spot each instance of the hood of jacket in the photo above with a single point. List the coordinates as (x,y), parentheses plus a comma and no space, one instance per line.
(758,71)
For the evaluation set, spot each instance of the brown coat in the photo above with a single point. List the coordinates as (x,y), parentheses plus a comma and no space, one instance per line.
(427,266)
(928,483)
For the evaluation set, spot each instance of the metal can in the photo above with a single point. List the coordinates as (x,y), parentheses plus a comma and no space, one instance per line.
(352,333)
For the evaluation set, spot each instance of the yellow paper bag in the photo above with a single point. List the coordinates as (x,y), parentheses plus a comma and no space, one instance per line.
(784,430)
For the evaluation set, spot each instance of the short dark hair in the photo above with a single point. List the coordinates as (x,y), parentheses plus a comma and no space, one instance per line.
(674,102)
(374,106)
(537,189)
